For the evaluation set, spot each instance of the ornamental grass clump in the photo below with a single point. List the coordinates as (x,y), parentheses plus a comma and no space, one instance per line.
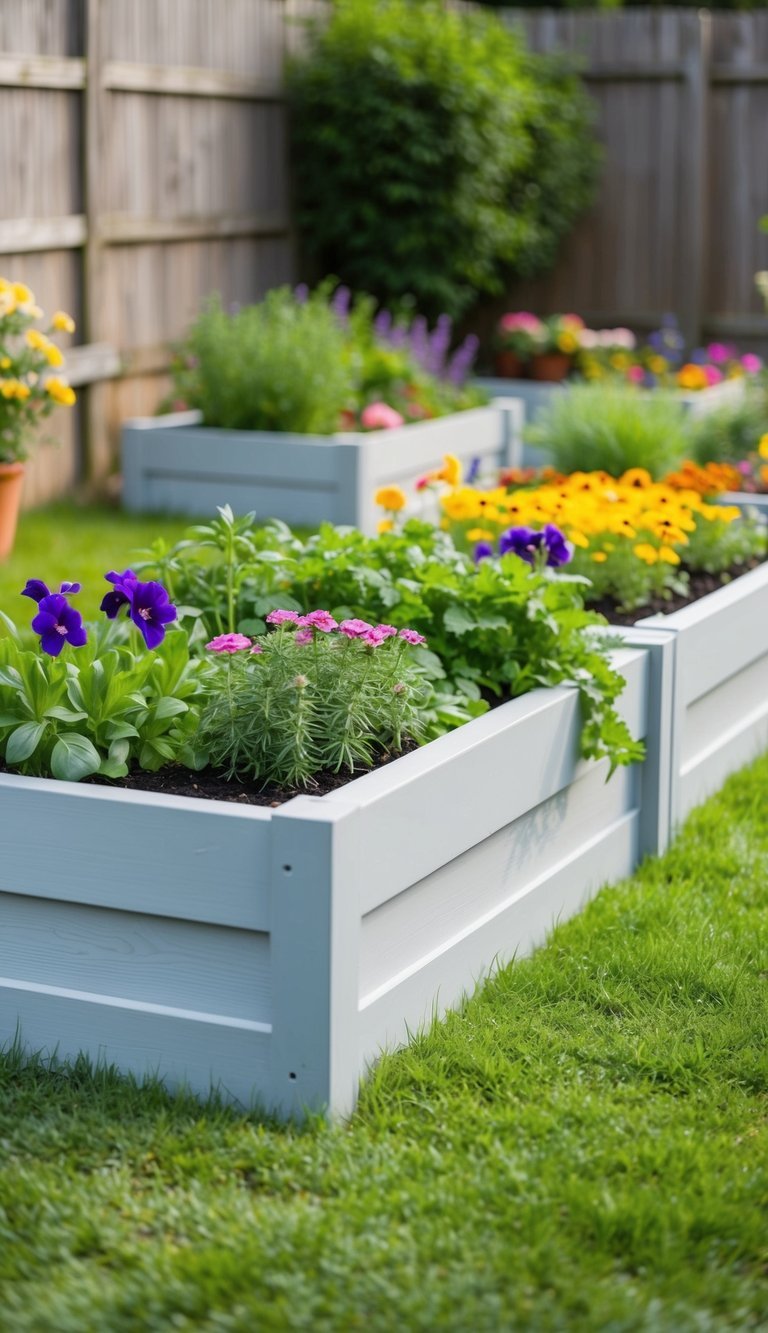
(312,695)
(611,428)
(101,700)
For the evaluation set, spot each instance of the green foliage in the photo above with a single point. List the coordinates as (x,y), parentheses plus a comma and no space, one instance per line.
(279,366)
(731,433)
(297,709)
(496,631)
(718,546)
(433,155)
(611,428)
(582,1146)
(100,709)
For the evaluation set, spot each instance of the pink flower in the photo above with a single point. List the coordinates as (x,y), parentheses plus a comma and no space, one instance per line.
(228,643)
(751,363)
(322,620)
(521,319)
(636,374)
(714,376)
(282,617)
(303,636)
(355,629)
(378,634)
(421,483)
(257,648)
(719,353)
(380,416)
(386,631)
(412,636)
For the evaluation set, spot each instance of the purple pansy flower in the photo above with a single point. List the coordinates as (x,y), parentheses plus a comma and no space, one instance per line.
(525,543)
(558,550)
(58,623)
(482,551)
(112,601)
(151,610)
(37,590)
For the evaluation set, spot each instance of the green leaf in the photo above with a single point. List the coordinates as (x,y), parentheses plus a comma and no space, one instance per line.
(9,625)
(119,750)
(63,714)
(10,676)
(112,768)
(23,742)
(458,621)
(169,707)
(74,757)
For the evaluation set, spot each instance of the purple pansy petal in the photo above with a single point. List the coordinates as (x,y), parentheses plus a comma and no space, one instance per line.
(482,551)
(69,589)
(150,610)
(36,589)
(51,643)
(111,603)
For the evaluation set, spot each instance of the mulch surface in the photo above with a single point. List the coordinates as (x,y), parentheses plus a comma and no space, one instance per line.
(700,583)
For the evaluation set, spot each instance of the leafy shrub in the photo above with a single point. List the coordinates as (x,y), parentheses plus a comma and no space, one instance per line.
(731,433)
(612,428)
(496,631)
(278,365)
(304,700)
(433,155)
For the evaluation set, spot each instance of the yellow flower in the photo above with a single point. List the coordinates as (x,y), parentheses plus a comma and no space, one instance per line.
(450,471)
(657,364)
(384,525)
(62,393)
(389,497)
(5,363)
(619,360)
(480,535)
(692,377)
(762,447)
(647,553)
(63,322)
(22,293)
(599,557)
(53,355)
(7,302)
(669,556)
(14,389)
(577,537)
(35,339)
(567,342)
(637,477)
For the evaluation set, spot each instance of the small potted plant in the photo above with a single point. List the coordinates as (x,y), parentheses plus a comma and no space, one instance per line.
(559,344)
(28,391)
(519,335)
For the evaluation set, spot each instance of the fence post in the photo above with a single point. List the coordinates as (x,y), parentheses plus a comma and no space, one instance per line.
(96,431)
(697,53)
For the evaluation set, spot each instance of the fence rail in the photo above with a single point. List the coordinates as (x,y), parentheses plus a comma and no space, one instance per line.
(144,166)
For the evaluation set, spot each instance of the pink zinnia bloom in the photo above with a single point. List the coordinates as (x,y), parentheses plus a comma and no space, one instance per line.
(751,363)
(714,376)
(636,374)
(386,631)
(228,643)
(719,353)
(744,467)
(355,629)
(303,636)
(282,617)
(257,648)
(412,636)
(380,416)
(322,620)
(373,638)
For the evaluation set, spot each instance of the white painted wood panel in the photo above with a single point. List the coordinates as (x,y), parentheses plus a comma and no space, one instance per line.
(739,704)
(184,964)
(450,901)
(163,855)
(201,1051)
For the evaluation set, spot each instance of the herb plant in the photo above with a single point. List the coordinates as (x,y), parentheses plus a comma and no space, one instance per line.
(611,428)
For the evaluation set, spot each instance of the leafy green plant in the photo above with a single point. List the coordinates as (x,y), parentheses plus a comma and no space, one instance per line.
(611,428)
(311,696)
(279,365)
(433,155)
(99,711)
(731,433)
(494,632)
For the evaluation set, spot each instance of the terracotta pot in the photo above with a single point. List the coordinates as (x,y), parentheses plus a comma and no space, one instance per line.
(510,366)
(11,482)
(550,366)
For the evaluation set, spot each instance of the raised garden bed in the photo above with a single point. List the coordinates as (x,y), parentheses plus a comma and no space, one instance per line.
(748,501)
(721,686)
(273,953)
(172,464)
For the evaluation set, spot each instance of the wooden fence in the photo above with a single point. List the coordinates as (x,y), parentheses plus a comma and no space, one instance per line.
(143,156)
(683,114)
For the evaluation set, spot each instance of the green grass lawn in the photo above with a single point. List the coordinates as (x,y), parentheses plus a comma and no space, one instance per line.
(79,543)
(583,1147)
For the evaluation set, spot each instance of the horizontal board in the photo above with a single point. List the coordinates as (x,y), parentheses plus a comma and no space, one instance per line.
(161,855)
(38,71)
(729,751)
(739,702)
(24,235)
(186,81)
(487,774)
(117,229)
(450,902)
(182,964)
(194,1050)
(518,925)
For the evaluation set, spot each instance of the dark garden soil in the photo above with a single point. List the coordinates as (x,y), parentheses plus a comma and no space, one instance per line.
(700,583)
(210,785)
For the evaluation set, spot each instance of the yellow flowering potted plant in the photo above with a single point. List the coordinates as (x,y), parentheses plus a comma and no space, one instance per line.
(28,390)
(558,346)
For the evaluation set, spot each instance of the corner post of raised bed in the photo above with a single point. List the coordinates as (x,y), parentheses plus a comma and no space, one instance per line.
(314,950)
(662,736)
(512,414)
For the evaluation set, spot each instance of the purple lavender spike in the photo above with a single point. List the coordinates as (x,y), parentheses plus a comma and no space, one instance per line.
(300,293)
(382,324)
